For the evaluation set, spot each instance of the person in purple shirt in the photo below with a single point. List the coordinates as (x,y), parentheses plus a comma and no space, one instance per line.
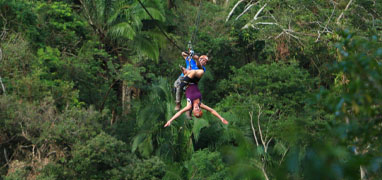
(194,103)
(194,97)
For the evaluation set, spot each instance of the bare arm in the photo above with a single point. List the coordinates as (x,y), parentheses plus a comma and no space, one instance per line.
(214,113)
(184,54)
(196,58)
(188,107)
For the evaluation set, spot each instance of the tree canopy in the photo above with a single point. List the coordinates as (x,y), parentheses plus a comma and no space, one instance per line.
(87,85)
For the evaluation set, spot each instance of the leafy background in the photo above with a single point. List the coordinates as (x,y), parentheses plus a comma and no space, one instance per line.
(86,87)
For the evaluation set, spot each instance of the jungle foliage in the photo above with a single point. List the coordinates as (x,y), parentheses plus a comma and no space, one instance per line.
(86,87)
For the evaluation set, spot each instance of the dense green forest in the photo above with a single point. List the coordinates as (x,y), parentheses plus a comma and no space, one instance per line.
(87,85)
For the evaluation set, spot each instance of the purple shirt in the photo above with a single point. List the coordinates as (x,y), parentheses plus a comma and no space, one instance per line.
(193,92)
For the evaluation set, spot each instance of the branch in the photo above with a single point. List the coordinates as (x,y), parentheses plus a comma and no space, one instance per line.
(253,129)
(24,133)
(248,4)
(266,146)
(287,32)
(261,23)
(226,3)
(326,26)
(193,174)
(265,173)
(315,65)
(267,23)
(258,125)
(107,94)
(370,14)
(233,9)
(99,31)
(245,10)
(50,153)
(282,158)
(342,14)
(87,13)
(284,31)
(6,156)
(4,31)
(258,12)
(279,35)
(2,85)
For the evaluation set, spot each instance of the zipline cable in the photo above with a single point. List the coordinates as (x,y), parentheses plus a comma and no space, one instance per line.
(193,36)
(160,27)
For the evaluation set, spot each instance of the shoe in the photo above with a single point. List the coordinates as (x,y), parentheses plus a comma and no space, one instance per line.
(177,107)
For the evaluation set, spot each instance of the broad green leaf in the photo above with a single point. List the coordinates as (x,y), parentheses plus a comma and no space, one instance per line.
(137,141)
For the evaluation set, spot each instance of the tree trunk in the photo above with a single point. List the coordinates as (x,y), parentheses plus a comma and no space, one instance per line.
(128,94)
(363,172)
(126,98)
(170,4)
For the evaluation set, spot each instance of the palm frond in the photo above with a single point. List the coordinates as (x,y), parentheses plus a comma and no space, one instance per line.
(138,139)
(136,21)
(120,13)
(109,7)
(280,148)
(154,7)
(113,18)
(147,46)
(156,36)
(155,13)
(100,8)
(123,30)
(151,116)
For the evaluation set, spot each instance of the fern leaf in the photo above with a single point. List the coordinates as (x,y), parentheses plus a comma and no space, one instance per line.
(122,30)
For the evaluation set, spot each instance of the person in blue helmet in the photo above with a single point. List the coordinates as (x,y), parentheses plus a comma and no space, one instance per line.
(193,62)
(194,75)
